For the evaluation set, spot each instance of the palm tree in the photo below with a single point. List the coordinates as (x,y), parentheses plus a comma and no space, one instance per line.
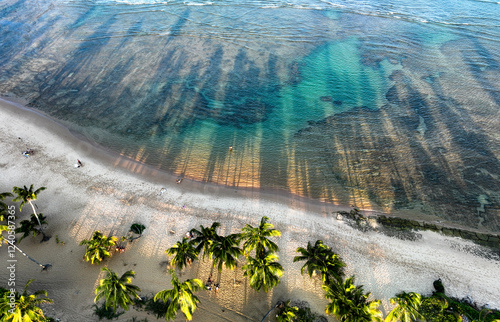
(26,195)
(226,251)
(406,309)
(321,258)
(264,271)
(184,253)
(286,312)
(257,237)
(29,227)
(350,303)
(26,306)
(3,213)
(98,247)
(181,296)
(205,237)
(117,291)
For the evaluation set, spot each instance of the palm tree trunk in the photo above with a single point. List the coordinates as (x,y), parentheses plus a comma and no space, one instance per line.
(33,260)
(270,310)
(44,237)
(36,216)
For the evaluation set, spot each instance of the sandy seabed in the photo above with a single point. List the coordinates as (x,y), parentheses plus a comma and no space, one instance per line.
(111,192)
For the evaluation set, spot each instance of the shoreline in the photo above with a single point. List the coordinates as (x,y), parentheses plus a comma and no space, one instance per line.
(144,171)
(110,192)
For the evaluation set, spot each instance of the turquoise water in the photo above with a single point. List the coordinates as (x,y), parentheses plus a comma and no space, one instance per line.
(391,106)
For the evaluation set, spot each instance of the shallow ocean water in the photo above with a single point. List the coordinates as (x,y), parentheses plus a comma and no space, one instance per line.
(389,106)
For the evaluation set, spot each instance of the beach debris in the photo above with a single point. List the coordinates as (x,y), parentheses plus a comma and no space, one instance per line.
(179,180)
(28,152)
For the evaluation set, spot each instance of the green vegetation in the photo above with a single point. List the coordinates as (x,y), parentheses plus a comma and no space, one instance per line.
(98,247)
(320,258)
(264,271)
(30,227)
(181,296)
(26,305)
(116,291)
(407,307)
(286,312)
(350,303)
(205,238)
(225,252)
(258,238)
(347,302)
(183,253)
(27,195)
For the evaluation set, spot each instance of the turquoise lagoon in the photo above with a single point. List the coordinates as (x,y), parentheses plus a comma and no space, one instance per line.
(385,105)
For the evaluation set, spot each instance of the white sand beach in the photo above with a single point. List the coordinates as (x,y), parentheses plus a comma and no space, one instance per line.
(111,192)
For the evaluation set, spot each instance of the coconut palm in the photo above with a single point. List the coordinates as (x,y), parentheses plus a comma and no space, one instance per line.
(406,309)
(25,195)
(98,247)
(286,313)
(26,306)
(225,251)
(258,237)
(117,291)
(181,296)
(11,243)
(349,303)
(205,237)
(264,271)
(30,227)
(322,259)
(8,241)
(183,253)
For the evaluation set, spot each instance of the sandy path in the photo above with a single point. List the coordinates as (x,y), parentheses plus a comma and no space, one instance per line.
(110,193)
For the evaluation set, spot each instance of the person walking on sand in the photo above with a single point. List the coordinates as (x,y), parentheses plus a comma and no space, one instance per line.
(79,163)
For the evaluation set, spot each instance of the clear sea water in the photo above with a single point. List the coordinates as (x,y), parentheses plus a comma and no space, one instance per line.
(387,105)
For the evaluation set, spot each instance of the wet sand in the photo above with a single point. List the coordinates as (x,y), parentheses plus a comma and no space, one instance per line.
(111,192)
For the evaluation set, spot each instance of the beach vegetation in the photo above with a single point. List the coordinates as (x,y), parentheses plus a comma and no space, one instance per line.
(183,253)
(181,296)
(28,195)
(350,303)
(98,247)
(225,252)
(117,291)
(286,312)
(136,229)
(264,271)
(205,238)
(437,308)
(258,237)
(406,309)
(26,306)
(320,258)
(30,227)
